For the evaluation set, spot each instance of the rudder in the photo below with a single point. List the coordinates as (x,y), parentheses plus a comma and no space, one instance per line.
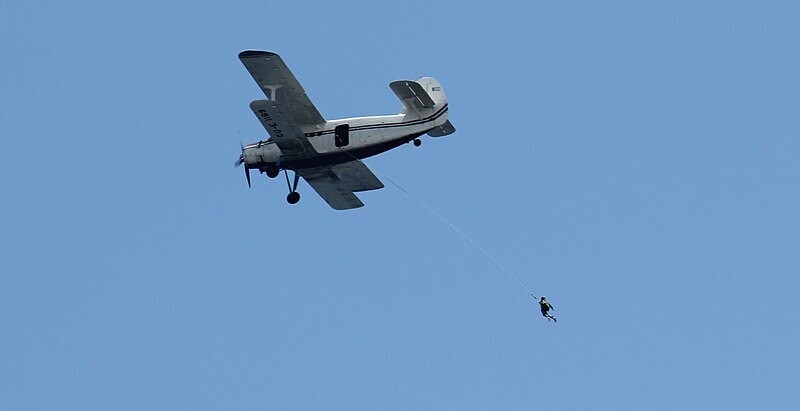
(434,90)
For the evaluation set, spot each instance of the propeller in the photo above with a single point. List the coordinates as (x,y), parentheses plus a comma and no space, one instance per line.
(240,161)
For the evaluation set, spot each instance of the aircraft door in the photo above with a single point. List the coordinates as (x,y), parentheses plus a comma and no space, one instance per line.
(342,135)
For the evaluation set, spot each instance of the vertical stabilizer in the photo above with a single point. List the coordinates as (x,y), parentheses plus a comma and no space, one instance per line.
(434,90)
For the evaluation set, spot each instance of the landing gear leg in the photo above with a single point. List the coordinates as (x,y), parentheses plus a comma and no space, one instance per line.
(417,142)
(293,196)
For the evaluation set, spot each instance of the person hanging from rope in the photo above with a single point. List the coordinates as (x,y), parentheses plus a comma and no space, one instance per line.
(545,306)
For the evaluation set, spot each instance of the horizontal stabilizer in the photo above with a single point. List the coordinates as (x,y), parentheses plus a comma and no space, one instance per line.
(443,130)
(413,96)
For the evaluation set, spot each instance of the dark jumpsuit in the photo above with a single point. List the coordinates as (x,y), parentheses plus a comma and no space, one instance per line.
(545,306)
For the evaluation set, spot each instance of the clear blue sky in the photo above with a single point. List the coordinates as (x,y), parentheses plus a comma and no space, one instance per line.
(636,162)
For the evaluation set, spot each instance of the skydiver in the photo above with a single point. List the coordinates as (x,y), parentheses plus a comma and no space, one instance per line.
(545,306)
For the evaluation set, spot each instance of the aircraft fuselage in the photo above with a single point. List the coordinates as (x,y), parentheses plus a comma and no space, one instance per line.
(368,136)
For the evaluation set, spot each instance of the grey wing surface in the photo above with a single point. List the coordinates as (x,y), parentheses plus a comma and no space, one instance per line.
(282,126)
(337,184)
(443,130)
(356,176)
(411,93)
(279,84)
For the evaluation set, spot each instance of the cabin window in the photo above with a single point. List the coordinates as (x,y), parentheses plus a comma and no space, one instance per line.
(342,135)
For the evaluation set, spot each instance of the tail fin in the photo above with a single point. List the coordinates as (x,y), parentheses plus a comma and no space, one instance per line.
(434,90)
(424,98)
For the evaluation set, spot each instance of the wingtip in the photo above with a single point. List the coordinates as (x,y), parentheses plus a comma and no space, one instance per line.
(255,53)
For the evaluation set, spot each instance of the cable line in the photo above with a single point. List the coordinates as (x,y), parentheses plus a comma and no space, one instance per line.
(454,228)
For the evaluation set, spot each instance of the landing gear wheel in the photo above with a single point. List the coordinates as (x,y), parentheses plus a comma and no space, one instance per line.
(293,197)
(273,172)
(417,142)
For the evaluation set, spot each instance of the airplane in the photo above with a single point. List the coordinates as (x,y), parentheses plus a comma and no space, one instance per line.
(328,153)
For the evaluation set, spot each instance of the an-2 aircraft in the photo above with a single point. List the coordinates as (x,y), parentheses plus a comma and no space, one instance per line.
(328,153)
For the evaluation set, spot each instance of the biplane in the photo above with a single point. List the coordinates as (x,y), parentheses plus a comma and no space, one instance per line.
(328,153)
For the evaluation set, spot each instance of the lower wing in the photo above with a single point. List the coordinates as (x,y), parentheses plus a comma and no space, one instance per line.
(337,184)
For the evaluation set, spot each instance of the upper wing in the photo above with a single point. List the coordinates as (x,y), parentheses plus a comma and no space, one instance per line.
(279,84)
(282,127)
(336,184)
